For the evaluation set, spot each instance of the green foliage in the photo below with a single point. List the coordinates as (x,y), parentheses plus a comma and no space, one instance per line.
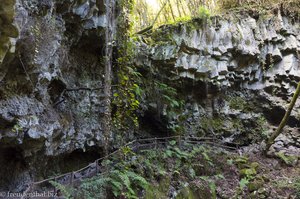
(213,189)
(17,128)
(66,191)
(160,190)
(176,153)
(168,94)
(238,103)
(243,183)
(120,182)
(287,159)
(168,104)
(204,13)
(297,187)
(94,187)
(248,173)
(179,20)
(262,126)
(126,150)
(152,171)
(211,124)
(125,98)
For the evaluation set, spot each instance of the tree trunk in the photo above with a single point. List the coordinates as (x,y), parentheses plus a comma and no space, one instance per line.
(171,9)
(183,8)
(161,9)
(178,8)
(109,35)
(283,122)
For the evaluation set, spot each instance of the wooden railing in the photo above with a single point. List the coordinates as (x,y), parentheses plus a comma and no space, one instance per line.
(75,178)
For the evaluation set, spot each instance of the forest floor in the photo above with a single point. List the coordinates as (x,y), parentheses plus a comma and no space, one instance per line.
(196,172)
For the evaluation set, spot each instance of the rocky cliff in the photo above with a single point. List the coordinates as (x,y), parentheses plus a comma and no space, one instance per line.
(236,75)
(51,83)
(233,77)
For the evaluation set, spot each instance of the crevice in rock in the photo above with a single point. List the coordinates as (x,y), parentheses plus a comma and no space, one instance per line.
(56,89)
(275,115)
(198,89)
(5,124)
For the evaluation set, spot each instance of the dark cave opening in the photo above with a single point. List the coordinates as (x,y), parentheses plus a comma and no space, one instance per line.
(56,89)
(15,173)
(12,167)
(73,161)
(153,125)
(276,114)
(5,124)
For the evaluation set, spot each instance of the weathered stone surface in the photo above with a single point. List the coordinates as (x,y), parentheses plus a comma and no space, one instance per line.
(255,44)
(249,66)
(235,77)
(46,48)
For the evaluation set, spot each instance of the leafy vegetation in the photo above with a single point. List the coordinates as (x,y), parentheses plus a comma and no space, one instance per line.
(287,159)
(297,187)
(190,171)
(151,173)
(65,191)
(170,12)
(165,100)
(125,97)
(204,13)
(177,11)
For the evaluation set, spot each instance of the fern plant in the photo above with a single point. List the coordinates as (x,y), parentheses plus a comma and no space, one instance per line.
(65,191)
(124,182)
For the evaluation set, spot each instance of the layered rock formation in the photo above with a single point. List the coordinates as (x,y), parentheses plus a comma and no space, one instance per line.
(236,74)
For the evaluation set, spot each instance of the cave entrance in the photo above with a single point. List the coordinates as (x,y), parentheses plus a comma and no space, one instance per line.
(72,161)
(12,169)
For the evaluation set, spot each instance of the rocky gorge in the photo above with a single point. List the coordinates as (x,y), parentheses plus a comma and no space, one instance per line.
(229,77)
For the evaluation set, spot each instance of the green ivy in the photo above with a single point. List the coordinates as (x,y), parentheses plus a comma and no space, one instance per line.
(171,104)
(204,13)
(125,98)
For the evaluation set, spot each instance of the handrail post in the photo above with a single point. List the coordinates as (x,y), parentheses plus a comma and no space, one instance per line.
(179,141)
(72,178)
(155,143)
(26,191)
(137,146)
(97,162)
(54,186)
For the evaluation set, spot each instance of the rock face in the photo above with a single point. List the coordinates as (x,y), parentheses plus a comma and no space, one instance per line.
(51,81)
(253,54)
(236,75)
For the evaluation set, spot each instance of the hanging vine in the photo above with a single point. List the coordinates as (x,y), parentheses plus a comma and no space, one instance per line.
(125,98)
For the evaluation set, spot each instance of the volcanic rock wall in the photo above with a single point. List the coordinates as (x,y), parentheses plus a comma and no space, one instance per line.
(51,83)
(236,75)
